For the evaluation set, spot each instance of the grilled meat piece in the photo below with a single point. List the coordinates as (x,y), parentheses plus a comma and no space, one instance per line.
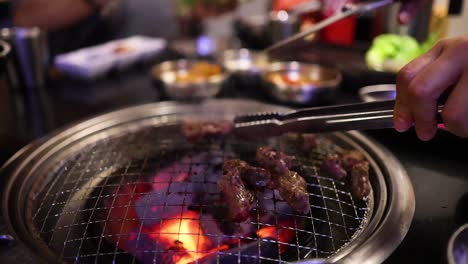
(254,177)
(275,161)
(360,186)
(198,131)
(293,188)
(239,199)
(333,165)
(352,157)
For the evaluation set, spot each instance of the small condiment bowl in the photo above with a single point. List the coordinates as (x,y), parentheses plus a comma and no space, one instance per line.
(189,79)
(243,61)
(300,83)
(379,92)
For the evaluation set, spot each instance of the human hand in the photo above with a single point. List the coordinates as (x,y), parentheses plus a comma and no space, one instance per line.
(408,10)
(424,80)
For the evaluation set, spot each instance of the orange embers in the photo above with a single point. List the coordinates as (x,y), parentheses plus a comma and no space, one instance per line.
(283,234)
(180,237)
(186,236)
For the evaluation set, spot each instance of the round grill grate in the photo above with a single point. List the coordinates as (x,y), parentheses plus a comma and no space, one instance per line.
(129,197)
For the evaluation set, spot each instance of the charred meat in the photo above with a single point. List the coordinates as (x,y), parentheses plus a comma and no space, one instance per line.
(275,161)
(293,188)
(239,199)
(253,177)
(199,131)
(333,165)
(352,157)
(291,185)
(339,163)
(360,186)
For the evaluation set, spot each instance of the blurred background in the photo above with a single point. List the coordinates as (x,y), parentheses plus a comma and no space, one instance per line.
(73,59)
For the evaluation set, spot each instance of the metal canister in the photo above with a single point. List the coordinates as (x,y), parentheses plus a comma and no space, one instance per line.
(25,77)
(282,25)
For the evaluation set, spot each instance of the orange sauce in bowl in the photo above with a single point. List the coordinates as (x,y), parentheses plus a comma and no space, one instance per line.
(198,72)
(291,79)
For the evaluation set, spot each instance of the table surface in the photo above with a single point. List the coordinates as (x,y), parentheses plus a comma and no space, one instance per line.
(438,169)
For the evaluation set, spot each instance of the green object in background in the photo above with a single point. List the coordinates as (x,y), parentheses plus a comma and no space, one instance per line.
(187,3)
(390,52)
(429,43)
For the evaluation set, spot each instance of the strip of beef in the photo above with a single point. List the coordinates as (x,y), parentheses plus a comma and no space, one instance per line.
(291,185)
(199,131)
(352,157)
(276,162)
(360,186)
(333,165)
(239,200)
(293,188)
(339,163)
(253,177)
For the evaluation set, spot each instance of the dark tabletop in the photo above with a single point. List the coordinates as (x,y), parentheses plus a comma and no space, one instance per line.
(438,169)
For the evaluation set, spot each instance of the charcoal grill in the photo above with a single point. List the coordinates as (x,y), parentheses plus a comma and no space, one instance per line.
(86,195)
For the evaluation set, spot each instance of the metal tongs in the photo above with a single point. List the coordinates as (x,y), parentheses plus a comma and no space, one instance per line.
(359,116)
(346,11)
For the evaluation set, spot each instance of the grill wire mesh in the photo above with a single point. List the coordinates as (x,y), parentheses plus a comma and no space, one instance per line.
(72,213)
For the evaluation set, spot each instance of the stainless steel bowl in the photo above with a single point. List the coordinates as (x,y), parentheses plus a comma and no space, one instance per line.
(243,61)
(322,81)
(169,72)
(457,250)
(380,92)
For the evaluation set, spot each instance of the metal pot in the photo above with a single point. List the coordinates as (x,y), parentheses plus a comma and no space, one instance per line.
(260,31)
(52,186)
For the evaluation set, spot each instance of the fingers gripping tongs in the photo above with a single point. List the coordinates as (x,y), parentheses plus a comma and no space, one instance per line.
(359,116)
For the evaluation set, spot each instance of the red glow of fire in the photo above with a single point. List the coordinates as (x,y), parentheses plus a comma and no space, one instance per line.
(181,234)
(186,234)
(164,179)
(268,231)
(282,234)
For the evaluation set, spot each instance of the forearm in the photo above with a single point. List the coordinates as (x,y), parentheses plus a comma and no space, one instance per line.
(50,14)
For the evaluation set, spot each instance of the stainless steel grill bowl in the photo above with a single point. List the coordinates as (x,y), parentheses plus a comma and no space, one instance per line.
(323,82)
(167,72)
(54,200)
(243,61)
